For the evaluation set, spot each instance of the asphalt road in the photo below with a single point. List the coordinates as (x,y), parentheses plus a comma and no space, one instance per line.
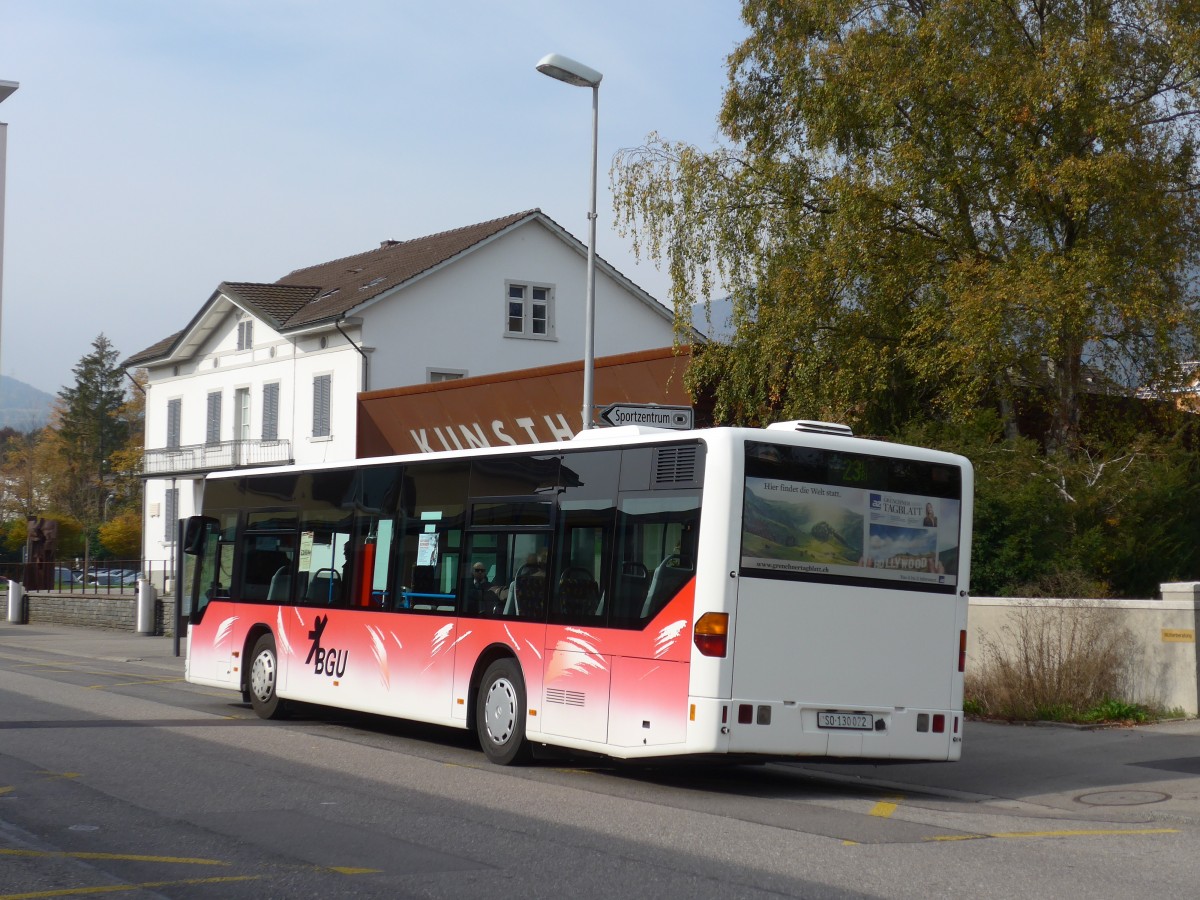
(118,778)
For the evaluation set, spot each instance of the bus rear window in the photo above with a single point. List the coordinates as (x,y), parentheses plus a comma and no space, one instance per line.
(836,517)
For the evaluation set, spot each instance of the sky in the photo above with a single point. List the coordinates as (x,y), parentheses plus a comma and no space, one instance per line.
(159,147)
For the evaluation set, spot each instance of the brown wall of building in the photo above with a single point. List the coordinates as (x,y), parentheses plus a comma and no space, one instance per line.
(523,407)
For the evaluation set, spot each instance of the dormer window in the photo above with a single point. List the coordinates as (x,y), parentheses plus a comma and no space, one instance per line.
(245,339)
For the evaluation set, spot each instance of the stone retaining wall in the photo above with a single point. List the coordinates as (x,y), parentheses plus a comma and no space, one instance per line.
(1164,670)
(116,612)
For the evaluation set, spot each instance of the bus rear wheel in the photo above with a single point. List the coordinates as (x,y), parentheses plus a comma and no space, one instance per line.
(500,713)
(264,671)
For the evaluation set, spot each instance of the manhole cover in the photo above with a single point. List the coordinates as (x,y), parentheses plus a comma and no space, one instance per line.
(1122,798)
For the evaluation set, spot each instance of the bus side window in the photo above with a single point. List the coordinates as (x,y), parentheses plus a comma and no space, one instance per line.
(580,592)
(263,557)
(656,539)
(431,542)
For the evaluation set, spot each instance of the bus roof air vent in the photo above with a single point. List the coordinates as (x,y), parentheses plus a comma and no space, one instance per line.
(674,466)
(812,427)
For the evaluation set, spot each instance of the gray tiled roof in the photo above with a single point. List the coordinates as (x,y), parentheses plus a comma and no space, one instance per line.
(329,290)
(276,303)
(154,351)
(351,281)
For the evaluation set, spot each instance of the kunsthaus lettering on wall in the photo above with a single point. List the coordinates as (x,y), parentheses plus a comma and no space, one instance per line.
(523,430)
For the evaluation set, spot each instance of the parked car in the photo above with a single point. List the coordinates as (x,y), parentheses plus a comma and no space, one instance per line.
(114,578)
(66,578)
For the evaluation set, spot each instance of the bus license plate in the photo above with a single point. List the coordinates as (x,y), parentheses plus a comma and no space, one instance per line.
(853,721)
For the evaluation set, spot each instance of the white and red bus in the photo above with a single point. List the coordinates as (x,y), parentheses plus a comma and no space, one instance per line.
(634,592)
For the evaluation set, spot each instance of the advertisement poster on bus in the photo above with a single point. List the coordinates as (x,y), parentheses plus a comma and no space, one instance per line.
(805,529)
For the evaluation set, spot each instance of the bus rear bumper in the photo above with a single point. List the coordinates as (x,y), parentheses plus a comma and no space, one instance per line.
(792,729)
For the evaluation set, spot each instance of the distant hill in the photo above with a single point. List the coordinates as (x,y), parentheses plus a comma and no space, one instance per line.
(23,406)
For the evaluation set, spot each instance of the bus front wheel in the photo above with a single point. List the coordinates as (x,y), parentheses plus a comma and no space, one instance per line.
(264,671)
(500,713)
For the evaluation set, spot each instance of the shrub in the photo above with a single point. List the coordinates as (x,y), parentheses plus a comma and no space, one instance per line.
(1057,661)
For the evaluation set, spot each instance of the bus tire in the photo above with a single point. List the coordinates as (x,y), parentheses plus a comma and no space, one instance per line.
(500,713)
(264,672)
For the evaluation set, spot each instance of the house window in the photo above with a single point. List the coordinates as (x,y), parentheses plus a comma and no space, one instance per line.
(433,376)
(530,311)
(245,334)
(213,432)
(174,418)
(270,416)
(241,412)
(321,385)
(171,519)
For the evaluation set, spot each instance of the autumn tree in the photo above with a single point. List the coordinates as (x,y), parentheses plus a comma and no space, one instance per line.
(922,206)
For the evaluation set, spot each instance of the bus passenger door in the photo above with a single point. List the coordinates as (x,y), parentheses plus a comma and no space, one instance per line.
(577,666)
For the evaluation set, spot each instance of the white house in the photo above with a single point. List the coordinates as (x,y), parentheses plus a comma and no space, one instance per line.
(268,373)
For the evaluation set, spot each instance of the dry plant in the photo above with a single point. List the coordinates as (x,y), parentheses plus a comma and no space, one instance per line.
(1055,660)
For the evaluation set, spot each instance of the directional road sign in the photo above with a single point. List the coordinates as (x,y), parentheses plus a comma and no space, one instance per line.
(679,418)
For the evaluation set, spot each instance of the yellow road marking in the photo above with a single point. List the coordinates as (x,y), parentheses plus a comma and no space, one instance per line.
(117,888)
(6,790)
(61,774)
(884,808)
(348,870)
(126,857)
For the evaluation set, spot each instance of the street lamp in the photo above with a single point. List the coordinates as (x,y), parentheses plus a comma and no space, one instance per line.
(558,66)
(6,90)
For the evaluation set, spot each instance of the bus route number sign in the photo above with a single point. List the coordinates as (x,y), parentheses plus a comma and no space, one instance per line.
(678,418)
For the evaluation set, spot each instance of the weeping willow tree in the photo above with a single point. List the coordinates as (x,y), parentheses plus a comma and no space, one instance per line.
(921,207)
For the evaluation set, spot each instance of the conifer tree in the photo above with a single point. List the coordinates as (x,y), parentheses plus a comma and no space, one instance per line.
(90,428)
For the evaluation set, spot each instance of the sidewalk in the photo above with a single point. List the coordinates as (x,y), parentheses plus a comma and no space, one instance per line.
(153,652)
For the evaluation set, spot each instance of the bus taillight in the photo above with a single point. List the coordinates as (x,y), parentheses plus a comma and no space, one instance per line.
(711,634)
(962,650)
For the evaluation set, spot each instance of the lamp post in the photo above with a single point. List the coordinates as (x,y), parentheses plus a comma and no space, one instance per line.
(6,90)
(564,69)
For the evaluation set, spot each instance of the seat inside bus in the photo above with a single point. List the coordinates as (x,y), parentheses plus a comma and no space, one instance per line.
(669,577)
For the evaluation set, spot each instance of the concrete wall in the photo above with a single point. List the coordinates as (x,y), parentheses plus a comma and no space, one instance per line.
(1164,670)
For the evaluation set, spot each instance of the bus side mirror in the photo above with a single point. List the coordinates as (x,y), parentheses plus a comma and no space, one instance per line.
(194,533)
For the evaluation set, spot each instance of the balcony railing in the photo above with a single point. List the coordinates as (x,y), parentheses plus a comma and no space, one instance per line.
(196,458)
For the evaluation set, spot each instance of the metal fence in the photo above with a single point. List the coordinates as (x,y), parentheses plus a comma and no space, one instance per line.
(110,576)
(218,455)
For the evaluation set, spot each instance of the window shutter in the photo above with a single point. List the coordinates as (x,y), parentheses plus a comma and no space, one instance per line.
(270,429)
(170,520)
(174,417)
(213,434)
(321,384)
(245,334)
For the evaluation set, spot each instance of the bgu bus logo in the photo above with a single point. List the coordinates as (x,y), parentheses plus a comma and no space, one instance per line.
(330,661)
